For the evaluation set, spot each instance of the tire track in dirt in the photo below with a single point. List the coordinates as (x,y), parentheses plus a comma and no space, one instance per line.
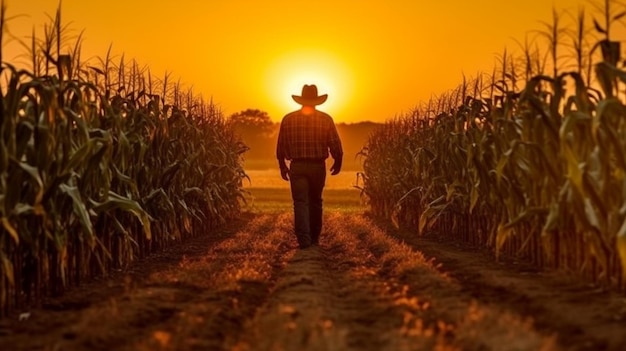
(200,302)
(317,305)
(59,320)
(233,277)
(582,317)
(439,314)
(362,290)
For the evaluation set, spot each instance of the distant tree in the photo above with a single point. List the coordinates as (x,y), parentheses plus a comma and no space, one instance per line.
(252,122)
(257,131)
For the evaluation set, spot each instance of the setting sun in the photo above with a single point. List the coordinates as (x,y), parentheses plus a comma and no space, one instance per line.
(296,175)
(287,74)
(374,60)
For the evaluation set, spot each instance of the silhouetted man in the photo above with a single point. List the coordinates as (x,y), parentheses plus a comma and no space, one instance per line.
(306,135)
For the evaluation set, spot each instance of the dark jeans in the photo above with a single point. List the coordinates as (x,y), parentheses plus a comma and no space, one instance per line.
(307,183)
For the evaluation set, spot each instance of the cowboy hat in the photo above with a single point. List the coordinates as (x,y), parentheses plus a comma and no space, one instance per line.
(309,96)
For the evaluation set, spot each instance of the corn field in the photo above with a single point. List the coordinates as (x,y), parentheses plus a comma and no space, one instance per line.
(529,161)
(100,165)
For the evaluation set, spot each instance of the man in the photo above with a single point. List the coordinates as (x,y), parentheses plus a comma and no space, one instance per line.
(305,138)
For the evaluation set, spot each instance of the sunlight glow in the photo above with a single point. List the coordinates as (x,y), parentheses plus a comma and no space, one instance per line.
(375,59)
(287,74)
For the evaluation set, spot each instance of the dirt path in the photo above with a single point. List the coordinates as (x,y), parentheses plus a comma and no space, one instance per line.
(364,288)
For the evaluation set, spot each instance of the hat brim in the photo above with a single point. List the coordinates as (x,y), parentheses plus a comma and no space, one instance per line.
(310,101)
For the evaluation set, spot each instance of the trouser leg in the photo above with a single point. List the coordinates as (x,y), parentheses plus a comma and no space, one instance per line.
(316,187)
(300,195)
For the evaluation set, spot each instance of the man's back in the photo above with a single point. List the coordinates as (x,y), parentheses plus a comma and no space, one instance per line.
(308,136)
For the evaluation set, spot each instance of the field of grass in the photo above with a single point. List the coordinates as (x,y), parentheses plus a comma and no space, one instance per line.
(267,192)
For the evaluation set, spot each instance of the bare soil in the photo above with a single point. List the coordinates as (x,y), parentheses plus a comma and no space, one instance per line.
(366,287)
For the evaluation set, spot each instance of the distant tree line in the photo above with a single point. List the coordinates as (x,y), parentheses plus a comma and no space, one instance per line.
(257,130)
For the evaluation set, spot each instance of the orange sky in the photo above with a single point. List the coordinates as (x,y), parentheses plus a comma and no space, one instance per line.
(374,58)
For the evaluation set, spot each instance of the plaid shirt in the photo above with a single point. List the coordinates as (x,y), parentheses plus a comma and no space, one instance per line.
(308,136)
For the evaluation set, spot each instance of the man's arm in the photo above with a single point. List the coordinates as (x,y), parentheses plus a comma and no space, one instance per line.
(280,154)
(336,150)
